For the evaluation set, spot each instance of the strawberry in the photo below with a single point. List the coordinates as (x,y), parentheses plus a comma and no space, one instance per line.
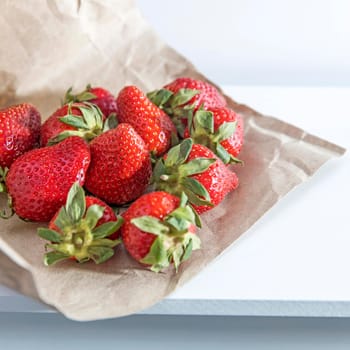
(84,228)
(99,96)
(149,121)
(76,119)
(120,167)
(198,172)
(159,230)
(219,129)
(182,97)
(19,132)
(207,97)
(39,180)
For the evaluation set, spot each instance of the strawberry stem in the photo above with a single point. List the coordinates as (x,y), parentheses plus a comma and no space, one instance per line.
(3,174)
(8,212)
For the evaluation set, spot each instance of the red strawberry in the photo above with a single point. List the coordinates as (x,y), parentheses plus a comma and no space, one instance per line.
(159,230)
(53,126)
(150,122)
(39,180)
(120,167)
(78,119)
(19,132)
(99,96)
(182,97)
(207,97)
(196,171)
(219,129)
(108,214)
(85,228)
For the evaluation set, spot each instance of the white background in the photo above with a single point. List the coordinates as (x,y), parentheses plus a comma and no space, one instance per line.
(259,42)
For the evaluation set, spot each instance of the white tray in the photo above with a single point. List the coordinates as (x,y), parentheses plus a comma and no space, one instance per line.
(295,260)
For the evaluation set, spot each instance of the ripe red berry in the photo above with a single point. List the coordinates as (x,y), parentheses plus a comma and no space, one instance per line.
(149,121)
(39,180)
(159,230)
(198,172)
(19,132)
(183,97)
(120,167)
(221,130)
(76,119)
(99,96)
(208,96)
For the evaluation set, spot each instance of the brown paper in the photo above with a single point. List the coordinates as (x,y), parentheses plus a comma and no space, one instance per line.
(56,44)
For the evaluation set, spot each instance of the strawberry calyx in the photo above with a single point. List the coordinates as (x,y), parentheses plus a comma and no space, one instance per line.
(76,235)
(83,96)
(177,105)
(201,129)
(173,174)
(87,126)
(3,174)
(8,212)
(175,236)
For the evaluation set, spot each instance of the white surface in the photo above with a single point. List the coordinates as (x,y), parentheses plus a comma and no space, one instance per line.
(254,42)
(52,331)
(300,249)
(295,260)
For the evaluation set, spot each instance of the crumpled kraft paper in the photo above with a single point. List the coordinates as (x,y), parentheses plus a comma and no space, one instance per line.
(49,46)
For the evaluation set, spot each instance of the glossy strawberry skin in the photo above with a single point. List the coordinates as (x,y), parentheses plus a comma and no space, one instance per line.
(156,204)
(19,132)
(104,100)
(208,97)
(53,126)
(217,179)
(120,167)
(234,143)
(39,180)
(108,215)
(150,122)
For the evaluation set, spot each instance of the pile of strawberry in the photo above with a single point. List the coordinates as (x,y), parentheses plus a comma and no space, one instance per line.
(164,156)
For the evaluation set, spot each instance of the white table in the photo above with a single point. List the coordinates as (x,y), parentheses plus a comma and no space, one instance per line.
(295,260)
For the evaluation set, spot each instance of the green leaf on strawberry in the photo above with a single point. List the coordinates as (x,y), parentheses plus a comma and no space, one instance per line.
(173,174)
(88,125)
(54,257)
(75,233)
(201,130)
(151,225)
(176,105)
(49,235)
(160,97)
(175,236)
(97,95)
(111,122)
(83,96)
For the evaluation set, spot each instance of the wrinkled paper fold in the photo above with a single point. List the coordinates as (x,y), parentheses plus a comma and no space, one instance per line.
(57,44)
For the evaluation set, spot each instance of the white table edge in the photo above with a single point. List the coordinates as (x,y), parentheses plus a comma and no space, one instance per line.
(288,308)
